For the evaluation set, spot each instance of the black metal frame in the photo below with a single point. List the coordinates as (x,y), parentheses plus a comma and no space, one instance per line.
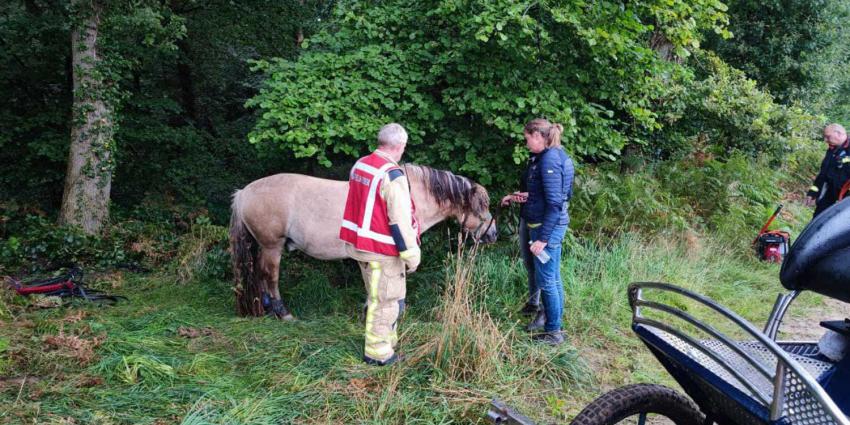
(784,362)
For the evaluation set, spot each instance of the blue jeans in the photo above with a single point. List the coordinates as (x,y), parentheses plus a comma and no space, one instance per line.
(528,261)
(548,277)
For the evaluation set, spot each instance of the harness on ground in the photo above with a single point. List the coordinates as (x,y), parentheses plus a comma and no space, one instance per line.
(69,285)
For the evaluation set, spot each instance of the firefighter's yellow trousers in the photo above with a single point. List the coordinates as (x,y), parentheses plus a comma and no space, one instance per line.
(385,292)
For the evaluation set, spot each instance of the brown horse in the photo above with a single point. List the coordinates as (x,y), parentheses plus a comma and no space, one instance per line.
(304,213)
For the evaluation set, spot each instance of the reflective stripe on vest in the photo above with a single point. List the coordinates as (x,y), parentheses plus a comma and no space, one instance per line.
(365,182)
(377,177)
(366,233)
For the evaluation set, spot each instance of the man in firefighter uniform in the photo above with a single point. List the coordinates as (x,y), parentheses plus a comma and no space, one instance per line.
(380,232)
(834,170)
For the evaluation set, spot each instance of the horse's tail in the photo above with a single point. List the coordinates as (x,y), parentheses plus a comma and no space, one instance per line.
(243,251)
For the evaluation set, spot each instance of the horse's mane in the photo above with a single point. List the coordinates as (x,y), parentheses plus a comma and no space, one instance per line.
(451,190)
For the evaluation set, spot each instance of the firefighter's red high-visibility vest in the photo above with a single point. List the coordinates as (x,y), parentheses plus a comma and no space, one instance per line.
(365,222)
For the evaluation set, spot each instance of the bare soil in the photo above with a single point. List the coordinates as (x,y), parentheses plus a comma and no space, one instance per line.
(803,324)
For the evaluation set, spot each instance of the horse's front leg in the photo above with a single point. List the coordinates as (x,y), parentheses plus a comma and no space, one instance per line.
(270,270)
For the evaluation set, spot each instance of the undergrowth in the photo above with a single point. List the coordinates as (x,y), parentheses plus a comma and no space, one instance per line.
(176,353)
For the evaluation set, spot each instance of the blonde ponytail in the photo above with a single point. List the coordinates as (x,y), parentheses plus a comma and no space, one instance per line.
(550,132)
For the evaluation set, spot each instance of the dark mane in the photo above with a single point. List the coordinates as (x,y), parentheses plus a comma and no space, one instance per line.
(451,190)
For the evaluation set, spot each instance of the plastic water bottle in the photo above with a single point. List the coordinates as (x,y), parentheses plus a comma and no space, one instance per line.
(543,256)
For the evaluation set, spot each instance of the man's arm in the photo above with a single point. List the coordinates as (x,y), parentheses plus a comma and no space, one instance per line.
(817,185)
(397,194)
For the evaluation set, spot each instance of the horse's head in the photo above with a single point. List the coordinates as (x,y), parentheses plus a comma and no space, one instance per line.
(450,195)
(476,218)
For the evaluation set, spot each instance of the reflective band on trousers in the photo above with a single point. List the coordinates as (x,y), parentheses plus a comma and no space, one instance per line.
(814,189)
(376,347)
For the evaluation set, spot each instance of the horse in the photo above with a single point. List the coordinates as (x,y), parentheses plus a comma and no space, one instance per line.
(300,212)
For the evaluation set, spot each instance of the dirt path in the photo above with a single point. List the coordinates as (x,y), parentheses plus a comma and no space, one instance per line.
(803,324)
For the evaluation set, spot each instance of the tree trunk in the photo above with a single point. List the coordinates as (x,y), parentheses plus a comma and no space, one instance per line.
(187,84)
(299,32)
(659,42)
(88,180)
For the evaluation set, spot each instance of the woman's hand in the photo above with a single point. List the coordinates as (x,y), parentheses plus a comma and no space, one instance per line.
(520,197)
(506,200)
(537,247)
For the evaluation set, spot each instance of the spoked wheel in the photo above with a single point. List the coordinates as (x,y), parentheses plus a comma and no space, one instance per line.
(641,404)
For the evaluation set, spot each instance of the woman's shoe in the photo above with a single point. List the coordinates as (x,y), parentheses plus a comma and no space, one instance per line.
(538,322)
(529,309)
(549,338)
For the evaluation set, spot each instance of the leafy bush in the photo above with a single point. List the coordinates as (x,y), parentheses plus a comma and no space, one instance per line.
(731,196)
(42,244)
(609,202)
(464,79)
(202,252)
(720,111)
(36,243)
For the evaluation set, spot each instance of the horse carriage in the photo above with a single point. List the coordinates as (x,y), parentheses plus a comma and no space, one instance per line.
(750,379)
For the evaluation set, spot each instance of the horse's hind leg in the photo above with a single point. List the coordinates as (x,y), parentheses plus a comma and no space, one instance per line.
(270,271)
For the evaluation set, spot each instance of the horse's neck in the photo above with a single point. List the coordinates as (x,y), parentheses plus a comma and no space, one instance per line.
(428,211)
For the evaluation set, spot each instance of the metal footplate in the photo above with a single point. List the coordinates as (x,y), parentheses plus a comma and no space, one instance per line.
(500,413)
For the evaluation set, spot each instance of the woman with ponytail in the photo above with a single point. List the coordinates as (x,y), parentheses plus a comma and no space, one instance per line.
(549,181)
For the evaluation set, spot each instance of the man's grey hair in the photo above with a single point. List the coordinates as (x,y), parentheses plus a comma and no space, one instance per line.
(835,128)
(392,135)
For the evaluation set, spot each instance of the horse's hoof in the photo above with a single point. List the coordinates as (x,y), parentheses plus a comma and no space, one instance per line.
(279,311)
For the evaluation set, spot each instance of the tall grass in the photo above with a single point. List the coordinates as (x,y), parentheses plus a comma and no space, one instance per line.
(469,346)
(462,332)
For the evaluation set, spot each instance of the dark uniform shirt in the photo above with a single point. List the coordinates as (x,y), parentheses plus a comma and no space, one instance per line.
(834,173)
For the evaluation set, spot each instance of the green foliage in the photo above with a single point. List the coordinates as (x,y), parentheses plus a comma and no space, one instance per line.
(4,360)
(793,48)
(730,197)
(35,243)
(202,252)
(34,125)
(721,111)
(179,76)
(41,244)
(261,371)
(464,77)
(609,202)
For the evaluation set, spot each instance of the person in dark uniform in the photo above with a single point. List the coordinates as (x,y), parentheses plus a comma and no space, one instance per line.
(834,170)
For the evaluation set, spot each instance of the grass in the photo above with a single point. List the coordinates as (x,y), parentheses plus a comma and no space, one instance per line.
(176,353)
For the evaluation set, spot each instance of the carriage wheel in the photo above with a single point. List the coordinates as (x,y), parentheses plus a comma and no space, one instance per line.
(641,404)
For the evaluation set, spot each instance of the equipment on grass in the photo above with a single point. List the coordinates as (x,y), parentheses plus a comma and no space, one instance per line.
(772,245)
(69,284)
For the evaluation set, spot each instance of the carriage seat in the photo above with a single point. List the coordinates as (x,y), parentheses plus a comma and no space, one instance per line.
(819,260)
(696,371)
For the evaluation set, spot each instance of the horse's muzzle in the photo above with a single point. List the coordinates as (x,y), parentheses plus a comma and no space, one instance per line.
(490,236)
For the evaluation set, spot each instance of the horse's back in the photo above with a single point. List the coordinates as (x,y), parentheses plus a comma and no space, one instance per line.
(304,211)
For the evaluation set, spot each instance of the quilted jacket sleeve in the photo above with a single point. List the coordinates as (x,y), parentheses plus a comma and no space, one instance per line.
(556,171)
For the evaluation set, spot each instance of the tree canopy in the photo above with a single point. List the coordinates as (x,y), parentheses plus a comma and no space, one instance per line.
(308,83)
